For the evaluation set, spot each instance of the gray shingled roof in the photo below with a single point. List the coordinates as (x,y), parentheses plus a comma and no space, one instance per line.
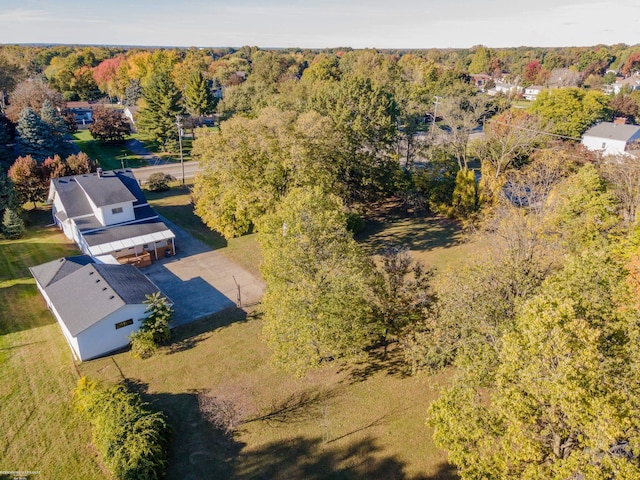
(116,186)
(122,232)
(105,189)
(91,292)
(55,270)
(612,131)
(72,197)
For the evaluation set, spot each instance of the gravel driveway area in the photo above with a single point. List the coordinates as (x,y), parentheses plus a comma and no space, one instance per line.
(201,281)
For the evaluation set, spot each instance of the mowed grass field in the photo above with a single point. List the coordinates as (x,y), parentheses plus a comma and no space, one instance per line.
(342,422)
(40,430)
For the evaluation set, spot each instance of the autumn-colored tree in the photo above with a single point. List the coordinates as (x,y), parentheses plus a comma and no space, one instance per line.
(632,65)
(80,163)
(109,125)
(28,177)
(104,75)
(531,71)
(55,167)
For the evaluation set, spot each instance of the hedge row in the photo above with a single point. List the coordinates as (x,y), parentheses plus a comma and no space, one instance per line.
(131,438)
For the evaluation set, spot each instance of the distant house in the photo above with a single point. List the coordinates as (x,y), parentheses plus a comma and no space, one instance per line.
(106,213)
(480,80)
(130,113)
(531,92)
(506,88)
(97,306)
(612,138)
(82,112)
(630,83)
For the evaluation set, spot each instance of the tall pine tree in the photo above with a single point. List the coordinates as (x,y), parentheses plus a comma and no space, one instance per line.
(33,135)
(198,97)
(162,105)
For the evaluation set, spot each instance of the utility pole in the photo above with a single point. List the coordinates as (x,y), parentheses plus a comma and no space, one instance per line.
(179,125)
(435,114)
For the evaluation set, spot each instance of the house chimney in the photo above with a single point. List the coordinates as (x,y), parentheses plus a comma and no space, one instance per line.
(620,120)
(99,171)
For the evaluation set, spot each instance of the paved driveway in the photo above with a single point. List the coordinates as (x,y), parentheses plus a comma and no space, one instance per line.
(201,281)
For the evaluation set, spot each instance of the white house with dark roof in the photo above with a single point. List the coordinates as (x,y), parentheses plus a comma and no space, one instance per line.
(97,306)
(106,213)
(612,138)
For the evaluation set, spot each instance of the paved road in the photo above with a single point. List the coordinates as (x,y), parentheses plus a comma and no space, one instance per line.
(175,169)
(201,281)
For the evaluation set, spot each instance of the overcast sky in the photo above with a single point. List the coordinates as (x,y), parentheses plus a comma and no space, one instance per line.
(322,23)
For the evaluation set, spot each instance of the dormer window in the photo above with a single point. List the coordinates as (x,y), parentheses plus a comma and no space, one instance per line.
(116,210)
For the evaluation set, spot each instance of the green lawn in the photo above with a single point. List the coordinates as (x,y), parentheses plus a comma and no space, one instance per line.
(343,422)
(40,431)
(110,156)
(437,241)
(364,421)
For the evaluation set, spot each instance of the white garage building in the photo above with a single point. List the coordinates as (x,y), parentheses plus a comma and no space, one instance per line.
(97,305)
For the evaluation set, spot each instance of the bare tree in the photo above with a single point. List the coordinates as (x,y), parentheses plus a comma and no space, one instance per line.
(461,116)
(33,93)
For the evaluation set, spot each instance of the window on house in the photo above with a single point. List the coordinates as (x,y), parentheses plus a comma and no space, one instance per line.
(116,210)
(604,145)
(124,324)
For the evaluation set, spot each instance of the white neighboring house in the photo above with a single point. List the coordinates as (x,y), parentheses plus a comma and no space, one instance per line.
(532,92)
(611,138)
(97,306)
(106,213)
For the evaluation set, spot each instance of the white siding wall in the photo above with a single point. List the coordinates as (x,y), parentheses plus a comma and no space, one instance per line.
(606,145)
(106,217)
(102,338)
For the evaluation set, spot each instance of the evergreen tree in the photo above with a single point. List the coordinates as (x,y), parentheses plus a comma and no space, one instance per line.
(8,195)
(162,105)
(6,152)
(57,129)
(133,92)
(33,135)
(12,224)
(198,97)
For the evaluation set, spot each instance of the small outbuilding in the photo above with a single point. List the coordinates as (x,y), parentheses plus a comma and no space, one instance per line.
(612,138)
(97,305)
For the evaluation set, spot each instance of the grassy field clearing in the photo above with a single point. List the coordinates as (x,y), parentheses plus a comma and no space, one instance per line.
(40,431)
(358,421)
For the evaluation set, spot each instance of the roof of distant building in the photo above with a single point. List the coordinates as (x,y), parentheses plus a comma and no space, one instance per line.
(613,131)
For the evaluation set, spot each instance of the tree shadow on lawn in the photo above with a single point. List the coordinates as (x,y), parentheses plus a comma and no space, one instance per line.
(186,337)
(311,458)
(391,224)
(378,359)
(200,451)
(184,217)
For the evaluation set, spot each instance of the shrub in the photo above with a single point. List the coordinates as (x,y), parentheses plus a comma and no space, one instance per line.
(159,182)
(131,438)
(142,344)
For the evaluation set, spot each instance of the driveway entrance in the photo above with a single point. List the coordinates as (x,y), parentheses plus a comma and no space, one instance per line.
(201,281)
